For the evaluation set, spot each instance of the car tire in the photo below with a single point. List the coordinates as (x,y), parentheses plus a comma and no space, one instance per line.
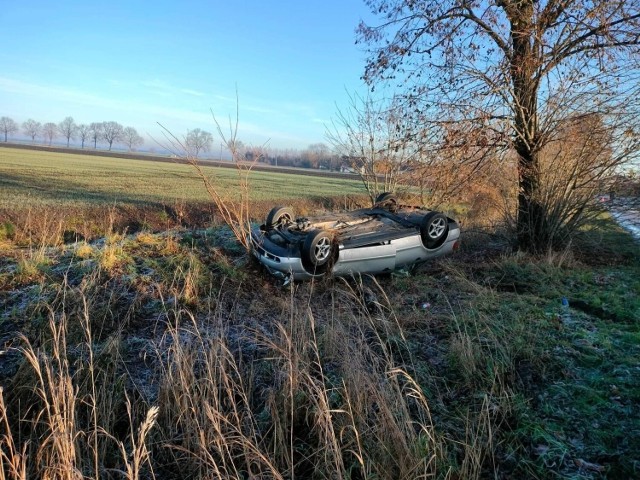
(279,216)
(387,200)
(317,251)
(434,229)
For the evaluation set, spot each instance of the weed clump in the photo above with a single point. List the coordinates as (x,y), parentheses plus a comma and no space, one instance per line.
(7,231)
(84,251)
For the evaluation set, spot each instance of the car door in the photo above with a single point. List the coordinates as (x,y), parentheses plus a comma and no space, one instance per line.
(367,259)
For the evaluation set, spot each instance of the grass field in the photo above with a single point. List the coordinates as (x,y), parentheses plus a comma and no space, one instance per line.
(32,179)
(49,197)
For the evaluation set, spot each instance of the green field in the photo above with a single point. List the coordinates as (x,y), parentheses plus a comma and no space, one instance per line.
(31,179)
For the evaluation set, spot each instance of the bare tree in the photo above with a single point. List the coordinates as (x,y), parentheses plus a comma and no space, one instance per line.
(8,126)
(67,128)
(84,133)
(281,156)
(131,138)
(232,204)
(575,166)
(95,133)
(112,132)
(198,141)
(524,67)
(236,147)
(50,131)
(317,155)
(370,137)
(32,128)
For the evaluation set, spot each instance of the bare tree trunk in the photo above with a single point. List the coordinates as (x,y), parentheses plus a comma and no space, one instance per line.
(524,63)
(531,214)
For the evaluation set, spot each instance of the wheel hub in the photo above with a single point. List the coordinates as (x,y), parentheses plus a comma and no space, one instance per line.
(322,249)
(436,228)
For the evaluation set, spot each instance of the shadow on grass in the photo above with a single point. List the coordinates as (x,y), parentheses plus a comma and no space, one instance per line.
(61,191)
(604,242)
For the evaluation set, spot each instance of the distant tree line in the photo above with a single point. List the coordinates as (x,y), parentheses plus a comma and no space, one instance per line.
(111,132)
(196,142)
(316,155)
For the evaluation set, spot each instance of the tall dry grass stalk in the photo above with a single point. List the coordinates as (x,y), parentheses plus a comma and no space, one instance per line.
(375,421)
(306,397)
(232,204)
(13,461)
(326,388)
(205,405)
(139,454)
(37,228)
(57,454)
(71,407)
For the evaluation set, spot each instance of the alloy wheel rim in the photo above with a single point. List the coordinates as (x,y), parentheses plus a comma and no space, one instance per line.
(322,250)
(436,228)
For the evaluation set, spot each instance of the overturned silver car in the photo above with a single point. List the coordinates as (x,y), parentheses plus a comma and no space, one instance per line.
(370,240)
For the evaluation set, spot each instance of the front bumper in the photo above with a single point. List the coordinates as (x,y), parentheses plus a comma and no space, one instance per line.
(282,263)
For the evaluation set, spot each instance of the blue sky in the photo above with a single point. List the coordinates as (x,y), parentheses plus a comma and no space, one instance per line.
(142,62)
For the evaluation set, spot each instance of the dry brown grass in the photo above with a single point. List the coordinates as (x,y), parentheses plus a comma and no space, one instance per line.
(13,462)
(67,407)
(315,381)
(346,378)
(338,402)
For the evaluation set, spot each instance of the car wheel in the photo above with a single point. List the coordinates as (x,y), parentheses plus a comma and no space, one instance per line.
(434,229)
(279,216)
(387,200)
(317,250)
